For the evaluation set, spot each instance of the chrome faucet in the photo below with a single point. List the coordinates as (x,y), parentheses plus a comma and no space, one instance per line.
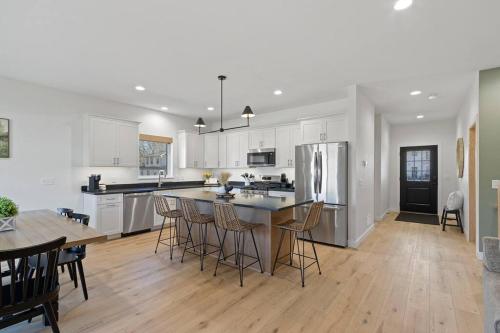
(160,173)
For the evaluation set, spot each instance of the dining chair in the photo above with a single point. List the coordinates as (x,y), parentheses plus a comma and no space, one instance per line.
(25,296)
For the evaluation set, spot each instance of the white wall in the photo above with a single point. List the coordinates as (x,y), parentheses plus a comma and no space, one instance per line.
(441,133)
(382,158)
(41,129)
(467,116)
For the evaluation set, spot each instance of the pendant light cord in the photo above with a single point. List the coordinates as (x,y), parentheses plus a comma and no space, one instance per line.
(221,107)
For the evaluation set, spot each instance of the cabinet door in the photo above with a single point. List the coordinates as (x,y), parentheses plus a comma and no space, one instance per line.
(336,129)
(295,141)
(198,142)
(312,130)
(127,144)
(211,151)
(103,147)
(190,151)
(268,138)
(222,151)
(254,139)
(243,150)
(110,218)
(233,150)
(283,147)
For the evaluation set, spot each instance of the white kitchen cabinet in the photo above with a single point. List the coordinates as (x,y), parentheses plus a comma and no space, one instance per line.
(262,138)
(332,129)
(286,139)
(222,151)
(110,142)
(237,149)
(190,150)
(211,151)
(106,213)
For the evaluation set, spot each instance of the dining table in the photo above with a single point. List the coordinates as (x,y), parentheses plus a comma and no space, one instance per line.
(41,226)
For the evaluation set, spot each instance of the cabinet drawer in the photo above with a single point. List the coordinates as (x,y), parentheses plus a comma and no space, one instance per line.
(109,198)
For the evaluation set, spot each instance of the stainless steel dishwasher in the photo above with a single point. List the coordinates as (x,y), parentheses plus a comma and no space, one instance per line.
(138,214)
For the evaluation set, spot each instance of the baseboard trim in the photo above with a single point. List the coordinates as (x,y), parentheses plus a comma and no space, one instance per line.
(381,218)
(355,244)
(479,255)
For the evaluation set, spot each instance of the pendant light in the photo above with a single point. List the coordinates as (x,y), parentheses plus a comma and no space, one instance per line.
(247,113)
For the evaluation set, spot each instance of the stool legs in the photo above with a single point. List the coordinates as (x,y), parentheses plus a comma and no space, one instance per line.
(220,252)
(314,249)
(458,218)
(256,251)
(159,236)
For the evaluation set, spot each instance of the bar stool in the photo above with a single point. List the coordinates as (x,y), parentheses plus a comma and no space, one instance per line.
(163,209)
(294,227)
(227,219)
(193,216)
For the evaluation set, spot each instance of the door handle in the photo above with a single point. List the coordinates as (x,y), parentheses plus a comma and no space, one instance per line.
(315,172)
(320,180)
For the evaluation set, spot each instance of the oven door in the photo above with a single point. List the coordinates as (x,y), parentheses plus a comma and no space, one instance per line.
(261,157)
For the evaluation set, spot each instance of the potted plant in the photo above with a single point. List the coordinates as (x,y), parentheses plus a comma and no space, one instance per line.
(8,213)
(206,176)
(224,180)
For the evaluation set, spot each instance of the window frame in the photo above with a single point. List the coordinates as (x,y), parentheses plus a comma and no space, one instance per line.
(170,153)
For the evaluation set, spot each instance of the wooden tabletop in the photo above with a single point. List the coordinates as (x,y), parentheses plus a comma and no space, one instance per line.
(40,226)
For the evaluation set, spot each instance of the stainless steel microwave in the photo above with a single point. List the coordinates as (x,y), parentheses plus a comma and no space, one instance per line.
(261,157)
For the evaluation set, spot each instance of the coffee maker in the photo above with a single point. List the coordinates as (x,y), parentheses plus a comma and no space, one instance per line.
(94,183)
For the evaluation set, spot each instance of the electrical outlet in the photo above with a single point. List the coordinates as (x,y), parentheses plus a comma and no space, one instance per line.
(47,181)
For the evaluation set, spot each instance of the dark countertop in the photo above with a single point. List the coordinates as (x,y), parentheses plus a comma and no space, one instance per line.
(152,187)
(256,201)
(280,187)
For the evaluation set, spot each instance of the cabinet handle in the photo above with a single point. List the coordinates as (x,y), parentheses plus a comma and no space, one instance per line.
(117,161)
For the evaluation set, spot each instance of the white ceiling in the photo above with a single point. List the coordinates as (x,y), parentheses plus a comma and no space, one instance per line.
(308,49)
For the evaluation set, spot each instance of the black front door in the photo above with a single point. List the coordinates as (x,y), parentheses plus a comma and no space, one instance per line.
(418,179)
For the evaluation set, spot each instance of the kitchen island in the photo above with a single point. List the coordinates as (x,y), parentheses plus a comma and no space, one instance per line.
(254,208)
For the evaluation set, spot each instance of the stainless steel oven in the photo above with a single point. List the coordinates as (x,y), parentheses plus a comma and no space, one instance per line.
(261,157)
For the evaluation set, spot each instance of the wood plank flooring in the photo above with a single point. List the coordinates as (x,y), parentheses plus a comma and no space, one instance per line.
(405,277)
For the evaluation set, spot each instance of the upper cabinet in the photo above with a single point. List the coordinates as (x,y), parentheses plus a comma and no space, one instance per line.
(262,138)
(237,149)
(109,142)
(211,151)
(222,151)
(190,150)
(287,137)
(332,129)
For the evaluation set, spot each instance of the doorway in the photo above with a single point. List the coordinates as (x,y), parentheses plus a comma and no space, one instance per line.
(472,183)
(418,179)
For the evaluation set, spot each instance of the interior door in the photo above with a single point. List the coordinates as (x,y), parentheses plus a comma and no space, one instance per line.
(418,179)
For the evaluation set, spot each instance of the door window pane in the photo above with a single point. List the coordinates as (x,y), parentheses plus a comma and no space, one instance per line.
(418,165)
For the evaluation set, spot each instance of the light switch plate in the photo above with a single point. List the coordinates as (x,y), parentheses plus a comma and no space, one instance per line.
(47,181)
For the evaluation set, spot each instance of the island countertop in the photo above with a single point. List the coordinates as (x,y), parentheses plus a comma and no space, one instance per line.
(257,201)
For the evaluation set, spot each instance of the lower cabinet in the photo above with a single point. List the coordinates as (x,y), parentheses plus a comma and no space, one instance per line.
(106,213)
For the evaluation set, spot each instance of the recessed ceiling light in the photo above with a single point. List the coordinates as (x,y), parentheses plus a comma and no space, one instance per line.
(210,108)
(420,116)
(278,92)
(402,4)
(164,108)
(415,92)
(140,88)
(432,96)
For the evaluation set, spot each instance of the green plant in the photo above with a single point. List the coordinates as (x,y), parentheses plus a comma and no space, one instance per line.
(7,207)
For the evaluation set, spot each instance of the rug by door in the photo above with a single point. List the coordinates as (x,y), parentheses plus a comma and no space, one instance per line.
(418,218)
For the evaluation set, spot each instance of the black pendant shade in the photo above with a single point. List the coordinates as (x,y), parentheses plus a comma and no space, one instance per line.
(200,123)
(247,113)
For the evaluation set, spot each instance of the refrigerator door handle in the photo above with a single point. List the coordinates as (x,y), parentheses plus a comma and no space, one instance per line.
(315,173)
(320,172)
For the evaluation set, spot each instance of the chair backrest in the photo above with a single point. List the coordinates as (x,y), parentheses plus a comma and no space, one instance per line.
(455,201)
(225,216)
(190,210)
(65,211)
(313,215)
(161,205)
(24,291)
(82,219)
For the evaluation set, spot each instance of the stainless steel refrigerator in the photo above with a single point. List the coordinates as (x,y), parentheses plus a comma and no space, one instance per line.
(321,175)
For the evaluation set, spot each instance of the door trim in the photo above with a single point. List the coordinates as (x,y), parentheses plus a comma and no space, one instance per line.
(472,183)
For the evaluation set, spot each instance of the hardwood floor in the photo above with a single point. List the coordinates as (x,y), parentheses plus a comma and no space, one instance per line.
(405,277)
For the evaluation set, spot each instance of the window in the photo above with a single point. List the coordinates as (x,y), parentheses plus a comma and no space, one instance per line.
(418,165)
(155,154)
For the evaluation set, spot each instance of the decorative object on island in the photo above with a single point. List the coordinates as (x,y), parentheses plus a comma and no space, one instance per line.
(224,180)
(249,178)
(247,113)
(4,138)
(8,213)
(206,176)
(460,157)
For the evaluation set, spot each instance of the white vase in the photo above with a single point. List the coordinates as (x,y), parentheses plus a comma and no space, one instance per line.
(7,223)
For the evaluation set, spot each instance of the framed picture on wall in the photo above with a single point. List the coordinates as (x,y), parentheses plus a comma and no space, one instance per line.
(4,138)
(460,157)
